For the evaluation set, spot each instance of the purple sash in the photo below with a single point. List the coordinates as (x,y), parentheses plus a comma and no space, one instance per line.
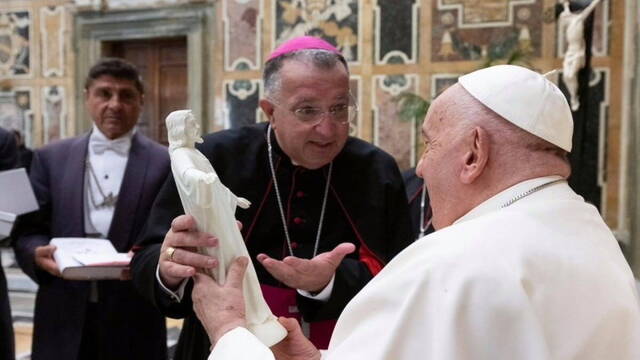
(282,302)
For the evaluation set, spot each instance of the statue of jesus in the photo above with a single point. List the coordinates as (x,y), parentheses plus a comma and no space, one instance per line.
(213,206)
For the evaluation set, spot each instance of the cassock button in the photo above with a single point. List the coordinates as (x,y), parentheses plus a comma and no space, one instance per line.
(300,194)
(298,220)
(294,245)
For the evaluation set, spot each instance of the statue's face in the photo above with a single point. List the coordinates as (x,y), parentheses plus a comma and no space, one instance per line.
(191,127)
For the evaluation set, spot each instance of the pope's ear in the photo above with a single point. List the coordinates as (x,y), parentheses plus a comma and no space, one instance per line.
(475,156)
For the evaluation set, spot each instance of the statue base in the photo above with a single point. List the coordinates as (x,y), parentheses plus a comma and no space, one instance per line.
(269,333)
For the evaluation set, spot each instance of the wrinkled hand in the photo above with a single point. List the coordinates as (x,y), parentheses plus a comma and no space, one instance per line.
(295,346)
(184,238)
(44,259)
(220,308)
(307,274)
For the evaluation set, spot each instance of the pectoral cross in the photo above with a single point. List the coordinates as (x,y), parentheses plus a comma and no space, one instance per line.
(109,201)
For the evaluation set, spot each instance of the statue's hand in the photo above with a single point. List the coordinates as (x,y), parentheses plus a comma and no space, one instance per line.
(307,274)
(295,346)
(243,203)
(181,262)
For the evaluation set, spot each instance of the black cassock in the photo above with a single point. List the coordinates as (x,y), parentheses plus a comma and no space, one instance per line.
(366,206)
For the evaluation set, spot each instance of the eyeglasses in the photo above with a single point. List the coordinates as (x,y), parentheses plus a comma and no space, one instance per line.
(339,113)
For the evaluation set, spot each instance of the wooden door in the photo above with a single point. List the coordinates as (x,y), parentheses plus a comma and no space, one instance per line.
(163,66)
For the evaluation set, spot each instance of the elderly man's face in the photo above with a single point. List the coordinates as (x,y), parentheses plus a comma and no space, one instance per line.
(303,86)
(438,165)
(114,105)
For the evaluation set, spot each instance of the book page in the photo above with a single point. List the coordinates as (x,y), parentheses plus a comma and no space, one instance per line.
(94,259)
(21,198)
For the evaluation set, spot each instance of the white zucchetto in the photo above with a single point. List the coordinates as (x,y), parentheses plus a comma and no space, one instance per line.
(525,98)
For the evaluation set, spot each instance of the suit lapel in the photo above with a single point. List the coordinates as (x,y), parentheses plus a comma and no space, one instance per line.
(131,190)
(73,179)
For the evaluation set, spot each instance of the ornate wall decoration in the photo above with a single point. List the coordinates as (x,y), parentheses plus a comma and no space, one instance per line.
(601,23)
(473,30)
(440,83)
(356,90)
(242,34)
(52,30)
(241,103)
(397,137)
(54,113)
(14,43)
(396,31)
(335,21)
(15,112)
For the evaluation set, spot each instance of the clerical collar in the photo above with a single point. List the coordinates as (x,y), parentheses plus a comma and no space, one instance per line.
(497,201)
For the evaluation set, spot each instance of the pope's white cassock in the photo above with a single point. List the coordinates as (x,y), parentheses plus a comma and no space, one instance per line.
(542,278)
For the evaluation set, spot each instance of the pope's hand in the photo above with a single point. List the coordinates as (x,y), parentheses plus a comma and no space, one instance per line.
(295,346)
(44,259)
(178,256)
(307,274)
(220,308)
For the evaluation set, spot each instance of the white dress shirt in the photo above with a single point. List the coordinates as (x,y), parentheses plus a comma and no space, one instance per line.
(108,159)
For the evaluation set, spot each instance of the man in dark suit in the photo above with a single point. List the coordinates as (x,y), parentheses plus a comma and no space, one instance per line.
(8,159)
(102,185)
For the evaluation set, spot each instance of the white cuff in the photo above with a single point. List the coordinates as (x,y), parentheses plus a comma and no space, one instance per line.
(240,344)
(178,294)
(323,295)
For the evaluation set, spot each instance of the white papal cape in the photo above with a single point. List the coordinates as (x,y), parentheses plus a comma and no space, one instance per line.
(543,278)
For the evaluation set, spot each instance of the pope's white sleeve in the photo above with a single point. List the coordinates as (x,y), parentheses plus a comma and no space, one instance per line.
(240,344)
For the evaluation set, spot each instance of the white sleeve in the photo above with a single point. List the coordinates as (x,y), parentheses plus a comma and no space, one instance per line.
(178,294)
(240,344)
(323,295)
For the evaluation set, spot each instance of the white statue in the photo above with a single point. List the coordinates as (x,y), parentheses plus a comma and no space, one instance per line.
(213,206)
(574,55)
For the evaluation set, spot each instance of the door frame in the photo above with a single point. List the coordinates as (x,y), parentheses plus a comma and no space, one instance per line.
(94,27)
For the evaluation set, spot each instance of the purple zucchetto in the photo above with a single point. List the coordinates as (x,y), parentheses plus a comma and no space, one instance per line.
(302,43)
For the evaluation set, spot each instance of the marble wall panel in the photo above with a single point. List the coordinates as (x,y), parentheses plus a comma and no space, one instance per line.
(356,90)
(396,31)
(241,105)
(54,113)
(15,27)
(242,30)
(475,30)
(16,113)
(126,4)
(397,137)
(52,30)
(440,83)
(336,21)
